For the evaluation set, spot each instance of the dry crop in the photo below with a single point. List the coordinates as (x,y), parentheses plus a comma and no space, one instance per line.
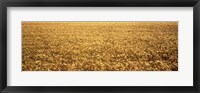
(100,46)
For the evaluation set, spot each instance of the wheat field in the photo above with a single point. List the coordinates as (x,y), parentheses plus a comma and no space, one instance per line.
(99,46)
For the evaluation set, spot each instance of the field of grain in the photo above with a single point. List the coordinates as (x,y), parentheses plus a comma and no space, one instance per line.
(99,46)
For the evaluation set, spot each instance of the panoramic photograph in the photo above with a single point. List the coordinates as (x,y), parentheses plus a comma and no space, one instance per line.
(99,46)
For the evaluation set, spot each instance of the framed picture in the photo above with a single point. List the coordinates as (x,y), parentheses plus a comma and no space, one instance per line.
(133,46)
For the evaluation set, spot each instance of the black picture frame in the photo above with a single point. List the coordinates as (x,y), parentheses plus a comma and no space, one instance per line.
(99,3)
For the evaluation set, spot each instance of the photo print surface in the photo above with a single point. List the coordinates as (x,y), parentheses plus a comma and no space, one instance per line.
(99,46)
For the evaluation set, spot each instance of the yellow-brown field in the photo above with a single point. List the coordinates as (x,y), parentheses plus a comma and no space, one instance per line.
(100,46)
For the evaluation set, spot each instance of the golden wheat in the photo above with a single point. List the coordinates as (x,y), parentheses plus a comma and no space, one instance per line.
(99,46)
